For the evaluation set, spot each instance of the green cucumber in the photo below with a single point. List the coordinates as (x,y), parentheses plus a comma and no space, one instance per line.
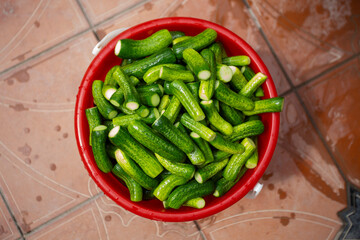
(205,173)
(108,91)
(252,162)
(145,135)
(215,119)
(240,60)
(125,120)
(237,101)
(117,98)
(202,130)
(153,115)
(181,169)
(135,189)
(197,42)
(197,203)
(253,85)
(207,87)
(109,79)
(194,89)
(94,119)
(122,139)
(226,145)
(131,96)
(173,110)
(139,68)
(110,149)
(153,88)
(238,80)
(204,147)
(217,48)
(135,49)
(164,103)
(105,108)
(176,34)
(247,129)
(181,39)
(249,74)
(223,185)
(126,61)
(181,91)
(253,117)
(153,74)
(150,99)
(168,130)
(197,64)
(189,191)
(230,114)
(220,155)
(142,111)
(163,190)
(98,139)
(134,171)
(237,161)
(275,104)
(169,74)
(224,73)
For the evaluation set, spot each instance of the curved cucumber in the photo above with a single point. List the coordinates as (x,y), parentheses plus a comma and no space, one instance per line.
(223,185)
(139,68)
(215,119)
(98,139)
(181,169)
(205,173)
(109,79)
(105,108)
(163,190)
(189,191)
(226,145)
(131,96)
(135,189)
(197,64)
(218,49)
(145,135)
(247,129)
(230,114)
(123,140)
(202,130)
(253,85)
(275,104)
(134,171)
(134,49)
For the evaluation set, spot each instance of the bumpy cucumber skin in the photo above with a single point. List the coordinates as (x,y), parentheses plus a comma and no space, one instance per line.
(237,101)
(109,79)
(253,85)
(196,62)
(238,80)
(226,145)
(176,34)
(205,173)
(267,105)
(173,110)
(125,120)
(137,152)
(197,42)
(247,129)
(168,130)
(136,49)
(153,73)
(215,118)
(163,190)
(94,119)
(189,191)
(181,169)
(231,115)
(145,135)
(223,185)
(169,74)
(135,189)
(139,68)
(98,139)
(202,130)
(105,108)
(207,87)
(205,148)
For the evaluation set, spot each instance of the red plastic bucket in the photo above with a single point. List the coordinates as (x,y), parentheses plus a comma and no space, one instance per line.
(153,209)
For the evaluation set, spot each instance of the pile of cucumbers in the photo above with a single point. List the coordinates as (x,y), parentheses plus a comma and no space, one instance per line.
(178,119)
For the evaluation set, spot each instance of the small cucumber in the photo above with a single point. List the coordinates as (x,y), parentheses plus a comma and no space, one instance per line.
(139,68)
(168,130)
(94,119)
(197,203)
(98,139)
(150,99)
(134,171)
(197,64)
(202,130)
(247,129)
(153,74)
(215,119)
(218,49)
(220,155)
(153,88)
(125,120)
(176,34)
(142,111)
(207,87)
(153,115)
(204,147)
(197,42)
(223,185)
(224,73)
(238,80)
(181,169)
(105,108)
(189,191)
(252,162)
(230,114)
(181,39)
(226,145)
(108,91)
(181,91)
(131,96)
(164,103)
(253,85)
(231,98)
(135,189)
(134,49)
(163,190)
(194,89)
(145,135)
(205,173)
(240,60)
(237,161)
(173,110)
(169,74)
(117,98)
(109,79)
(122,139)
(249,74)
(275,104)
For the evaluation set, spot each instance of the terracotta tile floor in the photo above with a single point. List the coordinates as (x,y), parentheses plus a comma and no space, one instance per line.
(312,51)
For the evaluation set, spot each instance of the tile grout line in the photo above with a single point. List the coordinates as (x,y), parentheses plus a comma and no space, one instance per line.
(88,19)
(63,214)
(295,90)
(11,213)
(200,230)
